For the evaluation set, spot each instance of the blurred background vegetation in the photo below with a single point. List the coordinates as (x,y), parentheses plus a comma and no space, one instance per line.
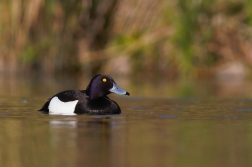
(154,38)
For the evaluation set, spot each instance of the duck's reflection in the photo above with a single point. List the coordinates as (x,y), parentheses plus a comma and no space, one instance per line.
(73,122)
(63,124)
(84,140)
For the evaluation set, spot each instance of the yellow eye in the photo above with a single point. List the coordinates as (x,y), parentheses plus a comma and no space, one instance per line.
(104,80)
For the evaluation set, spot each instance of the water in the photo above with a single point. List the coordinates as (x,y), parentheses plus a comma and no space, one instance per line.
(151,131)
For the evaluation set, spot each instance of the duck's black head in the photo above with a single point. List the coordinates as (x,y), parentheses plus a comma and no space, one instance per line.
(102,85)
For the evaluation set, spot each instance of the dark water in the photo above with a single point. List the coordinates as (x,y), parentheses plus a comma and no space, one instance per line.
(151,131)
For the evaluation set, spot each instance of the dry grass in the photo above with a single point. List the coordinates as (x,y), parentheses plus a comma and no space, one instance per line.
(158,37)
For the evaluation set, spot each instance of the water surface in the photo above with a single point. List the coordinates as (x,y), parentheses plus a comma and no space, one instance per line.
(151,131)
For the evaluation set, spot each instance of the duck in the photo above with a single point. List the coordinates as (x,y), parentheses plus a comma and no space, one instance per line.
(93,100)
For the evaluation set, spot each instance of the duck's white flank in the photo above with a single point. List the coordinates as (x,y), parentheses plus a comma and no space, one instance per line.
(64,108)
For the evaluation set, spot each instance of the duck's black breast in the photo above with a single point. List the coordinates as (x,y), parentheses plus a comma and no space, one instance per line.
(99,106)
